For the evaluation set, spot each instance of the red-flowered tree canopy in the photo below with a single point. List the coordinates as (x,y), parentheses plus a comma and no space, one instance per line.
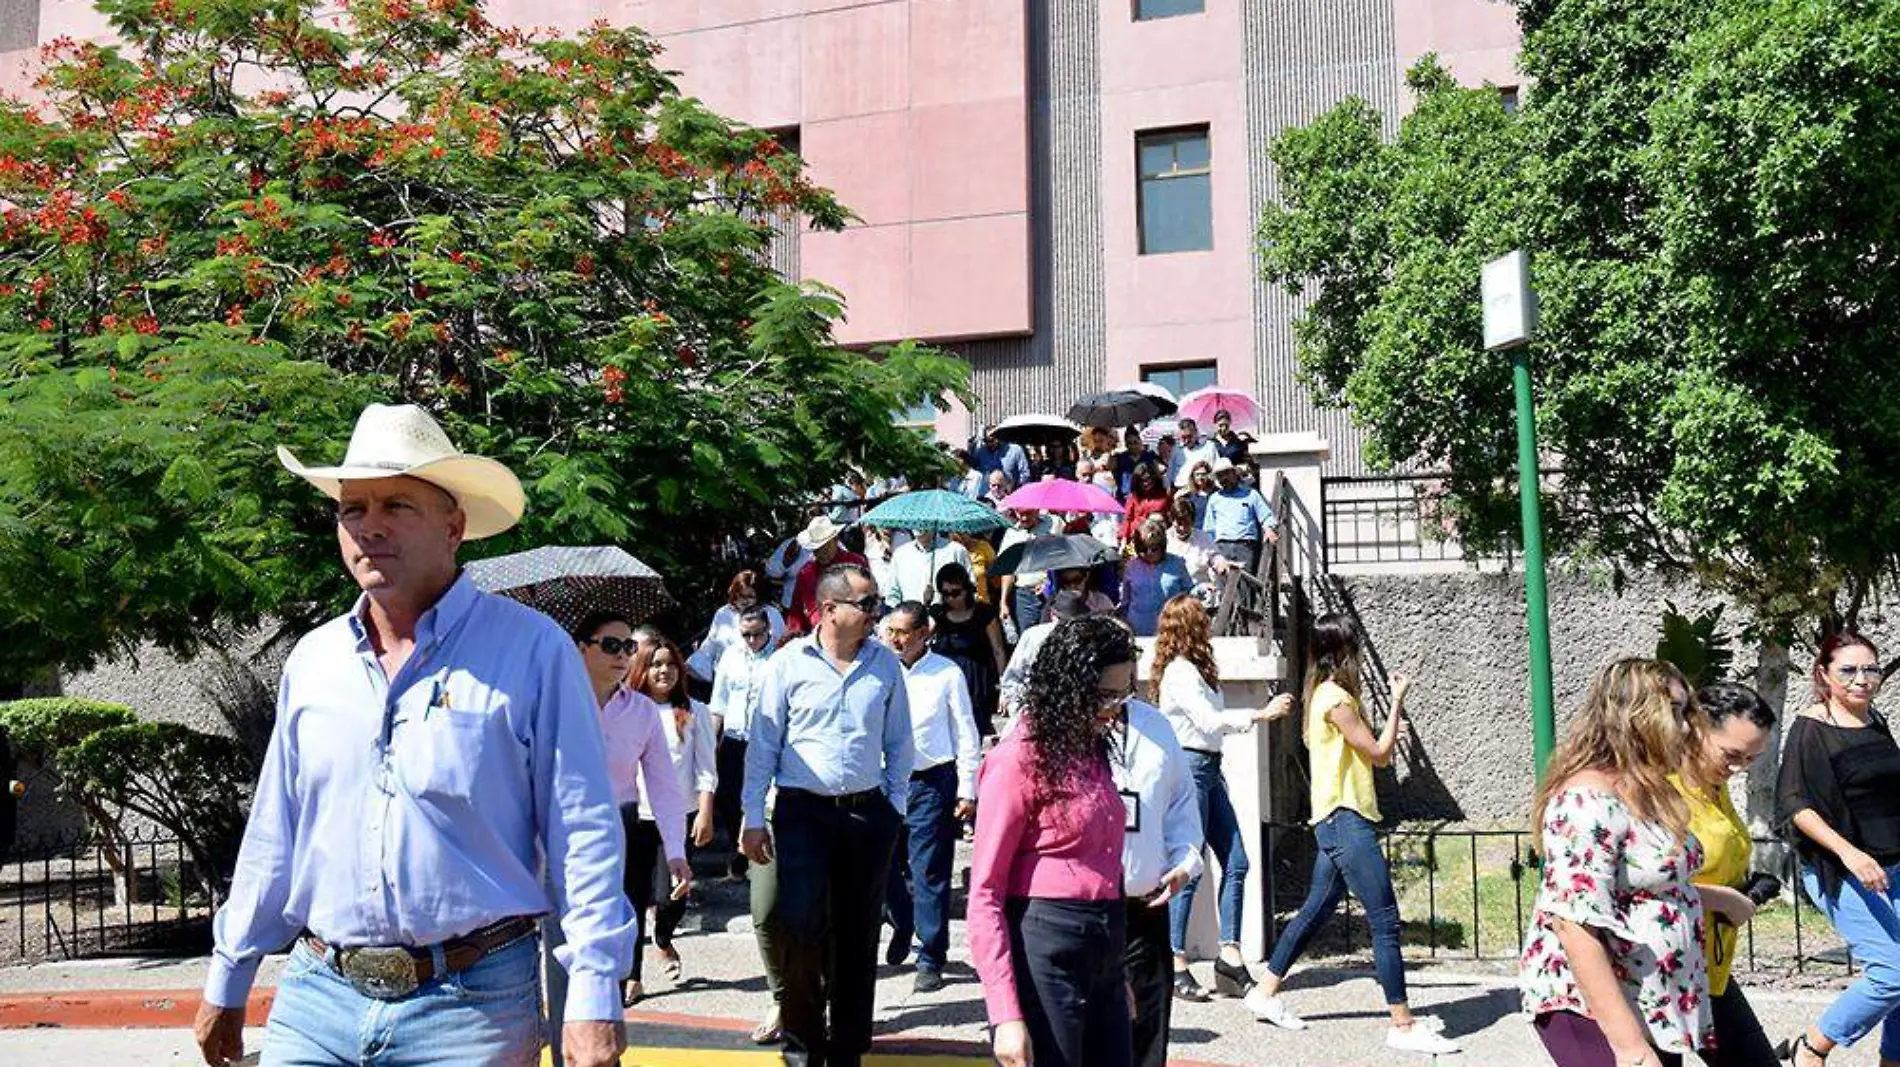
(248,219)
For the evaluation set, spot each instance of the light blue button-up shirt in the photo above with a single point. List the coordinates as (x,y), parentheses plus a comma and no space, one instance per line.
(415,809)
(826,731)
(1237,514)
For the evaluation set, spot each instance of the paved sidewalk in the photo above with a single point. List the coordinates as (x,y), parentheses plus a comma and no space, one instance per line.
(724,992)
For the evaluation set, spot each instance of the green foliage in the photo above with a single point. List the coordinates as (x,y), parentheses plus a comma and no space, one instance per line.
(1698,646)
(41,728)
(1707,190)
(236,228)
(188,782)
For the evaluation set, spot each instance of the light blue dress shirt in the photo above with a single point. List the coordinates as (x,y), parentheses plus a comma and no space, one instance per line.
(1147,588)
(1237,514)
(1164,824)
(415,809)
(829,732)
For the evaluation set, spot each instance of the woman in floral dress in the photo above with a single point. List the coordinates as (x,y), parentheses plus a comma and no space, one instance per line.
(1613,972)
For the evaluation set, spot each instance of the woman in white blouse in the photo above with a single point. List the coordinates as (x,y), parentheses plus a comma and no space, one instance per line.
(744,591)
(1187,685)
(659,674)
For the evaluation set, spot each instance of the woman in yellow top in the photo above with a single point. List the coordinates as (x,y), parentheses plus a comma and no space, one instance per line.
(1343,751)
(1735,729)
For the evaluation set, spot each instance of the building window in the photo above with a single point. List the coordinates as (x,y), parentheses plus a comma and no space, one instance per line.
(1508,97)
(1180,378)
(1176,204)
(921,415)
(1167,9)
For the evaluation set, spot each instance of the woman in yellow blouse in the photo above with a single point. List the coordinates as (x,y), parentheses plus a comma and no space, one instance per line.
(1735,729)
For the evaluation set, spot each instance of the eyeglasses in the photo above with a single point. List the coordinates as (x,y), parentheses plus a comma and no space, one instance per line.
(866,604)
(755,635)
(1850,674)
(949,591)
(614,646)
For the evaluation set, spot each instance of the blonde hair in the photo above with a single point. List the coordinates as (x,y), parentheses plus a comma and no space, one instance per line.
(1629,727)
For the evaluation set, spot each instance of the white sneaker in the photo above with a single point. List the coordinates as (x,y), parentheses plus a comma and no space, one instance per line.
(1422,1036)
(1272,1010)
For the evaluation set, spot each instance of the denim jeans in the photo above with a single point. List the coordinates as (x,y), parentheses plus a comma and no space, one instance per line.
(488,1014)
(919,899)
(1222,830)
(1348,857)
(1867,922)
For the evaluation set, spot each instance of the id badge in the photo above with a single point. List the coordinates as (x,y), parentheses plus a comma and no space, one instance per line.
(1131,811)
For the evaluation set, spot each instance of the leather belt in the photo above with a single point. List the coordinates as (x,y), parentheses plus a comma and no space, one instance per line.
(935,768)
(1201,752)
(847,800)
(392,972)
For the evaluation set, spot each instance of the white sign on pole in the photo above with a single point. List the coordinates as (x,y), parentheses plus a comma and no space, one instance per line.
(1510,307)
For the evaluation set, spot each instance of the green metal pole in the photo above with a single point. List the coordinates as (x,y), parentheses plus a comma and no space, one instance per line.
(1536,594)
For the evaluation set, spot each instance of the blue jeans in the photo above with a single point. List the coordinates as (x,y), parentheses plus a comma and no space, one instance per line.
(488,1014)
(1867,922)
(1348,857)
(1222,830)
(921,902)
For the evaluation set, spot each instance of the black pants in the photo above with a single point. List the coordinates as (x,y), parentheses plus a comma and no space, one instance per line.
(1151,976)
(833,860)
(1739,1040)
(1071,980)
(667,912)
(731,764)
(643,858)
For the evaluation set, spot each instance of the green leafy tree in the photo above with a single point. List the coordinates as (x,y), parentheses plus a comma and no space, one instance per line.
(1707,191)
(252,217)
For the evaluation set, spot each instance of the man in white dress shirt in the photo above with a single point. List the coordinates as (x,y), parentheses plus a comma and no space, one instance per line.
(942,793)
(1161,854)
(914,567)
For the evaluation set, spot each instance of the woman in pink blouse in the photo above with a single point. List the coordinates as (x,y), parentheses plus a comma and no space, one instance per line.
(1046,913)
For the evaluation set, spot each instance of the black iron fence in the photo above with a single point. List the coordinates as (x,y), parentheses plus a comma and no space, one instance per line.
(1469,894)
(1390,519)
(91,894)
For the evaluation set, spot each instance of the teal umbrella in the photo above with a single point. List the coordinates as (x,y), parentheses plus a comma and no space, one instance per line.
(936,510)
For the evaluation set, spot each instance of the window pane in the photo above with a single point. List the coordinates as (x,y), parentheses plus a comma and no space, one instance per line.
(1190,153)
(1176,214)
(1180,380)
(1195,378)
(1157,156)
(1161,9)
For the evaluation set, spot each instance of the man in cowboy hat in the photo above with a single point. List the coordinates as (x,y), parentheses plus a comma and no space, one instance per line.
(435,781)
(820,538)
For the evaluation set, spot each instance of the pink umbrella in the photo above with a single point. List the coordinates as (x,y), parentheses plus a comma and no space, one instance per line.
(1201,404)
(1058,494)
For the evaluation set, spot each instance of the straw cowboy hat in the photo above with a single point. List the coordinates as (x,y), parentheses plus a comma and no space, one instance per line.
(819,532)
(394,440)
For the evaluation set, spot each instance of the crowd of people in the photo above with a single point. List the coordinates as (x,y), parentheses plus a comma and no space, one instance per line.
(1647,865)
(471,825)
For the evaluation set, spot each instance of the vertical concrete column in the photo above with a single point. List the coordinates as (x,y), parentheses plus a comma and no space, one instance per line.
(1250,673)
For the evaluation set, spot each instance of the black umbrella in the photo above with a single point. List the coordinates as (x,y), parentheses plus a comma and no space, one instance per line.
(1058,552)
(568,582)
(1114,409)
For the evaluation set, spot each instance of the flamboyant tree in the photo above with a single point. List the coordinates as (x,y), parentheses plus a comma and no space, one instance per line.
(236,226)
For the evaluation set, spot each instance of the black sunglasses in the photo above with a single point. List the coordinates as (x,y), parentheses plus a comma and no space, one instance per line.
(866,604)
(614,646)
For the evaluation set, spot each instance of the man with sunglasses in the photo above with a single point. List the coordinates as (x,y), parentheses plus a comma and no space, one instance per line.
(832,732)
(942,793)
(735,695)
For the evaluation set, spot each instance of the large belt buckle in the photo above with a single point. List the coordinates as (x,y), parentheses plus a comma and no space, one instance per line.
(379,973)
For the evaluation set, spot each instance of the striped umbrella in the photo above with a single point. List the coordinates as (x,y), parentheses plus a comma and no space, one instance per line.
(936,510)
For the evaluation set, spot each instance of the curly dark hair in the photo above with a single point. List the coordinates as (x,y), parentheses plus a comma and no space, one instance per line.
(1061,700)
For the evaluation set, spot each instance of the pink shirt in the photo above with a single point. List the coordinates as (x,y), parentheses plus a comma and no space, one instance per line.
(634,730)
(1071,850)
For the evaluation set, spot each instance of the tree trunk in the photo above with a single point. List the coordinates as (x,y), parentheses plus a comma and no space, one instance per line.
(1771,681)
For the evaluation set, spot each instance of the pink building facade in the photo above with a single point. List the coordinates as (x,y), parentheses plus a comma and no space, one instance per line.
(1064,192)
